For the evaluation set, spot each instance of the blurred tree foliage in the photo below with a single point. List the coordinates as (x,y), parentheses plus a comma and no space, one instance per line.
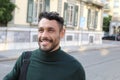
(106,23)
(6,9)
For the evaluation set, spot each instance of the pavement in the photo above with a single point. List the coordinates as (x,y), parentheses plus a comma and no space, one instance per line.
(14,54)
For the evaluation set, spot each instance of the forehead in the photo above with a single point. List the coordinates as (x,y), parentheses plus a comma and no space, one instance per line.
(48,23)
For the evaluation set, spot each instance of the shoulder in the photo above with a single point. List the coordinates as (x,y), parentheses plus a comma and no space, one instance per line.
(74,63)
(67,56)
(72,59)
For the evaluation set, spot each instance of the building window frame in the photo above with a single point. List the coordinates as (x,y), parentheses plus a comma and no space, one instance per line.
(70,14)
(96,19)
(116,4)
(89,18)
(34,8)
(92,19)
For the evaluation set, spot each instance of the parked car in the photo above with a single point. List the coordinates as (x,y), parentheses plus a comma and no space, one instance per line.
(118,37)
(111,38)
(108,38)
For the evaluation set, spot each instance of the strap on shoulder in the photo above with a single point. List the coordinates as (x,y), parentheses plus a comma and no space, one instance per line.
(25,64)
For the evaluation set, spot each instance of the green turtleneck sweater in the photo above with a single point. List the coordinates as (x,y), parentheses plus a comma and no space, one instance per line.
(56,65)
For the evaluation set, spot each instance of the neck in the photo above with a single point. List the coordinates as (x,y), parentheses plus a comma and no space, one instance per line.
(54,49)
(49,56)
(50,51)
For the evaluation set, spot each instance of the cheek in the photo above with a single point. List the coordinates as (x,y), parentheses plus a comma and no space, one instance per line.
(57,37)
(38,36)
(54,36)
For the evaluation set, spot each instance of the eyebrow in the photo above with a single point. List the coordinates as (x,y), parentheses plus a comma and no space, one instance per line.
(47,27)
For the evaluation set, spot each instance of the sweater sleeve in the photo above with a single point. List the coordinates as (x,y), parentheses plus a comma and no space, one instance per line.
(14,74)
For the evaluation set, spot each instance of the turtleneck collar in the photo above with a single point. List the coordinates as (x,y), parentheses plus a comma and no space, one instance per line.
(49,56)
(49,53)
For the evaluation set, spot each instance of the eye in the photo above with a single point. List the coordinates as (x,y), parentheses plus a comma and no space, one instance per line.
(40,30)
(51,30)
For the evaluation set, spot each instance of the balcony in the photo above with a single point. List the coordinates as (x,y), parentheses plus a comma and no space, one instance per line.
(94,2)
(115,18)
(106,7)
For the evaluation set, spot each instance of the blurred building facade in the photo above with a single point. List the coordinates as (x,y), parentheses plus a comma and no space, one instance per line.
(112,8)
(83,21)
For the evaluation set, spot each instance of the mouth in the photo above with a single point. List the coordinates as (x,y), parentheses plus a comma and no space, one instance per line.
(45,41)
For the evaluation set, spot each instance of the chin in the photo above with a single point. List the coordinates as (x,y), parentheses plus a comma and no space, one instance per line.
(45,49)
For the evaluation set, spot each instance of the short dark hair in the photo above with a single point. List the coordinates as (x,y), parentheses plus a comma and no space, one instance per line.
(52,16)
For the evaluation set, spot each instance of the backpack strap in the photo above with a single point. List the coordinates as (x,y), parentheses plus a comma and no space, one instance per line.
(25,64)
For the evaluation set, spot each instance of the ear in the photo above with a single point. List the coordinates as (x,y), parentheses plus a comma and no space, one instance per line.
(62,33)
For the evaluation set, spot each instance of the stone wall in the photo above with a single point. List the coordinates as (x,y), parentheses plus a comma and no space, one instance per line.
(24,38)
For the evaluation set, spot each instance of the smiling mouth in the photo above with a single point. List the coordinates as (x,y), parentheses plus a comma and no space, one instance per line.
(46,40)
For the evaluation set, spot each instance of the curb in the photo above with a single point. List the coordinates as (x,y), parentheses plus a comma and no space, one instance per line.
(8,59)
(90,49)
(66,50)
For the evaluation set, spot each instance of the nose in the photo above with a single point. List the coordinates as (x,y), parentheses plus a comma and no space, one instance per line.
(44,34)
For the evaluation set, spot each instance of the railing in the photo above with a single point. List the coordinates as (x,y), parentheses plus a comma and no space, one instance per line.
(95,2)
(106,6)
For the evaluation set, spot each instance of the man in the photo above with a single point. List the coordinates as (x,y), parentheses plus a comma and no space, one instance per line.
(49,62)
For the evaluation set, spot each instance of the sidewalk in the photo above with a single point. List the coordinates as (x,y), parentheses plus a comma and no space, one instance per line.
(14,54)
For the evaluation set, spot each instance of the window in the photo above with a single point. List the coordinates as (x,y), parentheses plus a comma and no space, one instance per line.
(92,19)
(114,30)
(116,14)
(38,7)
(89,18)
(34,8)
(116,3)
(107,6)
(70,14)
(30,11)
(69,37)
(96,19)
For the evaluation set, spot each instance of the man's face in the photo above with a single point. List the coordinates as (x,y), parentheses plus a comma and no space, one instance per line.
(49,35)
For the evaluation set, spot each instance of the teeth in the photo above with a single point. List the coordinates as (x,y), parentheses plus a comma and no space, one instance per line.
(44,41)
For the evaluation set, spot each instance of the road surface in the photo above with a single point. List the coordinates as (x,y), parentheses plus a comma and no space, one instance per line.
(100,64)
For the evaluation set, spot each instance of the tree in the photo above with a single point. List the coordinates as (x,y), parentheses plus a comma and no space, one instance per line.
(6,9)
(106,23)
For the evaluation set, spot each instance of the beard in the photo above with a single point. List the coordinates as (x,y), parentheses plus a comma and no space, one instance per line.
(50,46)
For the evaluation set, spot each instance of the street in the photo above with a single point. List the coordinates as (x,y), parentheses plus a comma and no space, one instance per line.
(6,67)
(102,64)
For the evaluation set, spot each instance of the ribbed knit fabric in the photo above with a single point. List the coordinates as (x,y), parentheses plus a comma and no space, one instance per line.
(56,65)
